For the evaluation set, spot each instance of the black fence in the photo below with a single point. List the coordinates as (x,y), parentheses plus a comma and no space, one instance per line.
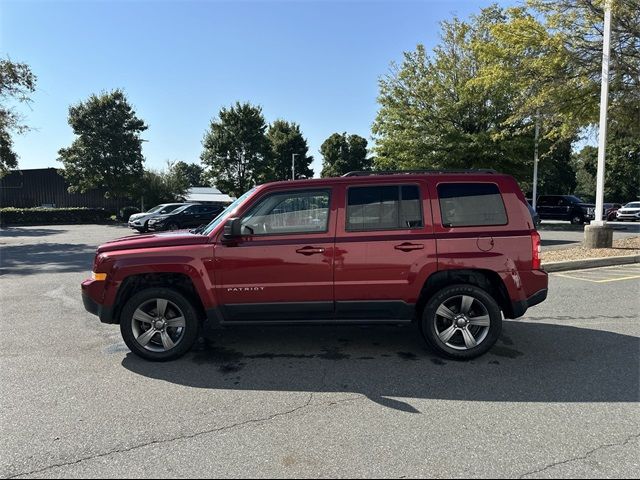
(47,187)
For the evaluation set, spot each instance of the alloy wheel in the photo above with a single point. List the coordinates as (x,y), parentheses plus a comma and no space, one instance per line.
(462,322)
(158,325)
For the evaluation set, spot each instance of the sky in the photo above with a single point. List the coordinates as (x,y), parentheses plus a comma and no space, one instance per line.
(316,63)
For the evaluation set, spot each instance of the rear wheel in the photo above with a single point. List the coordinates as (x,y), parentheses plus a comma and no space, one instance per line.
(577,219)
(159,324)
(461,322)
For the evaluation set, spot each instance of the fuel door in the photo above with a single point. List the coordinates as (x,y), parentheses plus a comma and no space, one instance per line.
(485,244)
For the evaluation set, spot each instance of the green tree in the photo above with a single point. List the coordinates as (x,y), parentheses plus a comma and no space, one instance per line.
(583,163)
(17,83)
(236,149)
(433,115)
(188,174)
(550,51)
(107,151)
(285,139)
(161,186)
(556,172)
(622,172)
(342,153)
(578,24)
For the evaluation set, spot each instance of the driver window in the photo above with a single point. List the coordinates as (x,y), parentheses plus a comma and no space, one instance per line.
(289,212)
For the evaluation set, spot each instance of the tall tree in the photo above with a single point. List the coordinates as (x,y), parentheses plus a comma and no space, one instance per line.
(161,186)
(17,83)
(236,149)
(432,114)
(285,140)
(342,153)
(188,174)
(551,52)
(579,25)
(622,173)
(107,151)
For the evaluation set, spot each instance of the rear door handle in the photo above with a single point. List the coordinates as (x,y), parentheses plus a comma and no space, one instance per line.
(407,247)
(310,250)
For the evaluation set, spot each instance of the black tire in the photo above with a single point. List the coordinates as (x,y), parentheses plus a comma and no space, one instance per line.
(576,219)
(431,322)
(172,226)
(188,336)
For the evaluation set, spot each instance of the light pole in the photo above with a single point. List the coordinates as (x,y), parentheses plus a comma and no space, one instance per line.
(534,200)
(597,234)
(293,165)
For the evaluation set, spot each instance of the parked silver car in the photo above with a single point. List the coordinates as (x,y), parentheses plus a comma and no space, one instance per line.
(630,212)
(140,221)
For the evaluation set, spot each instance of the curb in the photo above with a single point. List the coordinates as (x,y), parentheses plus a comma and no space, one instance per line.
(589,263)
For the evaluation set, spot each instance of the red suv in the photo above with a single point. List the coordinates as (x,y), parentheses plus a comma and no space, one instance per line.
(452,251)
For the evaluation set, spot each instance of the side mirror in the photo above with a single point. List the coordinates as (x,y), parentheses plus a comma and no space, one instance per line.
(232,229)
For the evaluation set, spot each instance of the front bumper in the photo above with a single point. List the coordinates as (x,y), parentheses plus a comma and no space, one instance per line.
(628,216)
(105,313)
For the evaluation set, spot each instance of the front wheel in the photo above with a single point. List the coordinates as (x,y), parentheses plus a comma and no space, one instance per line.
(159,324)
(461,322)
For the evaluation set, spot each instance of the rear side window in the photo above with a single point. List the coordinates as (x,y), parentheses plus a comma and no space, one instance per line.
(471,204)
(388,207)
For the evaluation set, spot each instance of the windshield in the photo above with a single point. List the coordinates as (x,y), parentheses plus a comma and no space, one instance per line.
(169,208)
(181,208)
(573,198)
(226,212)
(632,205)
(155,209)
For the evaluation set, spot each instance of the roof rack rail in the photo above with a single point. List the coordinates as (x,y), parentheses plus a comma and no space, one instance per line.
(408,172)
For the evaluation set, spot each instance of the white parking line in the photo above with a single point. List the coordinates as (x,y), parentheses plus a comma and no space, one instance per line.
(604,274)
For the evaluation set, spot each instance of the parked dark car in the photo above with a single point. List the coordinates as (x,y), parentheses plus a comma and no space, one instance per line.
(140,221)
(565,207)
(452,252)
(188,216)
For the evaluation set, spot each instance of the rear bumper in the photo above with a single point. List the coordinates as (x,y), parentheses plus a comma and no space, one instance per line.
(519,308)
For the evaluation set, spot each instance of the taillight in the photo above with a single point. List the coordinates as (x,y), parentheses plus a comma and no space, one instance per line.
(536,249)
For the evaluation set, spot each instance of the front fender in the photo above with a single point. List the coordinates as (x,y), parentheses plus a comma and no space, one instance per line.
(196,263)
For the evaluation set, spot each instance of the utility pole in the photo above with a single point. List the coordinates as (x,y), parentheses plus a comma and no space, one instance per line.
(534,200)
(293,165)
(597,234)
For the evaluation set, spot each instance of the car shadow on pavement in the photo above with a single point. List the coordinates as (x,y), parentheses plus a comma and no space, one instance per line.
(34,258)
(11,232)
(532,362)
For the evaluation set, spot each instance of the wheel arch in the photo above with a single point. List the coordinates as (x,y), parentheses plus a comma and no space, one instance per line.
(488,280)
(180,282)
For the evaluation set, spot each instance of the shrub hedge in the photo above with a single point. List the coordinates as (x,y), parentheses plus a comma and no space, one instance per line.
(126,212)
(52,216)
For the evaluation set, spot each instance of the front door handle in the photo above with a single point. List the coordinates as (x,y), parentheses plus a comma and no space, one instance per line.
(310,250)
(407,247)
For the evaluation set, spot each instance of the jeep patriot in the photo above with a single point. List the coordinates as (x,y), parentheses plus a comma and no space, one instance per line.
(453,252)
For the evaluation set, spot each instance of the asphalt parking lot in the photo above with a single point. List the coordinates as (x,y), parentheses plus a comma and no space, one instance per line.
(558,395)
